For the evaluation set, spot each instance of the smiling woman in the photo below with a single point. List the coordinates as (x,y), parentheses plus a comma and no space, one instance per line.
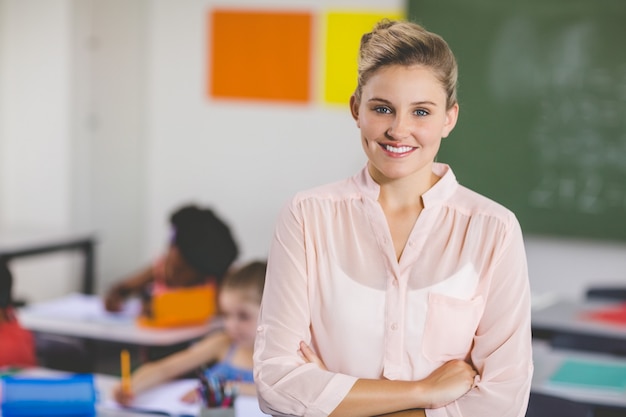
(396,291)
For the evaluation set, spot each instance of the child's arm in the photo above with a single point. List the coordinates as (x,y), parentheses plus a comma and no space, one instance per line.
(129,286)
(246,388)
(209,349)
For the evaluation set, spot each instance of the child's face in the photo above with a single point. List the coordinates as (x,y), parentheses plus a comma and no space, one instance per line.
(178,273)
(240,311)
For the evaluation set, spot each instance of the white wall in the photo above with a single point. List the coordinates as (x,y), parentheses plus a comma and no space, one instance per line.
(118,105)
(36,156)
(129,134)
(244,158)
(36,120)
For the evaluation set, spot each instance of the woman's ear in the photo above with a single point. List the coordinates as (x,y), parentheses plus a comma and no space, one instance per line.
(452,115)
(354,109)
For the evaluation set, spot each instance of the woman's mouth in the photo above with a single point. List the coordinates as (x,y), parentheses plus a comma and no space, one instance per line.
(397,150)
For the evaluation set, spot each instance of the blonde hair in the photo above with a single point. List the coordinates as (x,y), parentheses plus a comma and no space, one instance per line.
(250,277)
(406,43)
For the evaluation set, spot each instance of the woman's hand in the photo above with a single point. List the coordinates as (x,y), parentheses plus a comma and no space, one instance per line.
(448,383)
(310,357)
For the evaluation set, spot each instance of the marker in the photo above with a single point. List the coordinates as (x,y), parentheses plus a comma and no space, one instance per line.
(125,365)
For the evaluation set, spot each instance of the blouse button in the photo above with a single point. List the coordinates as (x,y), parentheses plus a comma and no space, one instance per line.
(394,326)
(260,328)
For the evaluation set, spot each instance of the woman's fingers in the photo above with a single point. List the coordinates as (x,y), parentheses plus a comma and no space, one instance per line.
(309,355)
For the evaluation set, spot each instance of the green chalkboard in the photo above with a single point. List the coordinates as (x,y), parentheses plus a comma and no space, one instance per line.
(542,126)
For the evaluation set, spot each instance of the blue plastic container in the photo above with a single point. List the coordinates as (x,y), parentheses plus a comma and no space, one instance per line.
(73,396)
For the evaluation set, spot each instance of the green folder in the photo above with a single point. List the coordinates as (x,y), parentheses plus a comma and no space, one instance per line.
(591,374)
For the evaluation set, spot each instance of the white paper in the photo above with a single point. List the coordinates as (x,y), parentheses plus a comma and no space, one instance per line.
(82,307)
(166,399)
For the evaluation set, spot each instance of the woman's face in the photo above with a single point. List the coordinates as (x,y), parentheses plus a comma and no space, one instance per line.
(402,117)
(240,312)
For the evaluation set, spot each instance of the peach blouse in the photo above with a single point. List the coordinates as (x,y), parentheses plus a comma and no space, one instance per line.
(459,290)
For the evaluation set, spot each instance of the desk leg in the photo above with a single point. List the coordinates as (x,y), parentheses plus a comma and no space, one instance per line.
(89,267)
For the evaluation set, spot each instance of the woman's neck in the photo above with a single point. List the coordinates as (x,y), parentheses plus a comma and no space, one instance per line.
(406,192)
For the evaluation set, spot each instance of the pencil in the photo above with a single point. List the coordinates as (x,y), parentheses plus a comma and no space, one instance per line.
(125,364)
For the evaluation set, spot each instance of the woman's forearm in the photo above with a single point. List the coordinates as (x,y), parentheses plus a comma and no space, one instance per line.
(379,397)
(369,397)
(406,413)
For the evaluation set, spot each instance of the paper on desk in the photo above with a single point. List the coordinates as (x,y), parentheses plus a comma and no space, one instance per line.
(84,307)
(165,399)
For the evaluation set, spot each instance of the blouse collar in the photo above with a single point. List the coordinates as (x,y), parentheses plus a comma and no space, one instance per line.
(437,194)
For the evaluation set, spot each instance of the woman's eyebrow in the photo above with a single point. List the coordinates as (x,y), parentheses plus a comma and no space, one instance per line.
(415,103)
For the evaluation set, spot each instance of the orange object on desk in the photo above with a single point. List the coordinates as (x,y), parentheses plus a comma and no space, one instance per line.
(615,314)
(181,307)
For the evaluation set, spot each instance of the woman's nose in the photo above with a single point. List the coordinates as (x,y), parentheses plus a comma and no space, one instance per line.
(399,128)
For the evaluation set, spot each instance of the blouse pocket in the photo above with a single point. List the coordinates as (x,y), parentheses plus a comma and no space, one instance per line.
(450,326)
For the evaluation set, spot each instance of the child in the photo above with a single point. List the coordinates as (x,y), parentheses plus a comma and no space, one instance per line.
(200,252)
(229,348)
(17,346)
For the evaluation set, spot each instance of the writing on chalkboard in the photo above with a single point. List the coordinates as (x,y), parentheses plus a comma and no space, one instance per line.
(578,133)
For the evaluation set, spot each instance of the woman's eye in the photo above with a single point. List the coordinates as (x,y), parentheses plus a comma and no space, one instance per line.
(382,109)
(421,112)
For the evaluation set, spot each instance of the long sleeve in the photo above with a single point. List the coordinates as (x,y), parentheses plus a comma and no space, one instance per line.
(502,350)
(459,291)
(285,385)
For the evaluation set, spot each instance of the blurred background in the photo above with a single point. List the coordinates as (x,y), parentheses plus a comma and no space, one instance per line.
(109,120)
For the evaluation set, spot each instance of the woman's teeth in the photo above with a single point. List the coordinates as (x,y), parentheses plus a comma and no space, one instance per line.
(401,149)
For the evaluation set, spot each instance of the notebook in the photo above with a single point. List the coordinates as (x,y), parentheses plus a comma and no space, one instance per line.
(590,374)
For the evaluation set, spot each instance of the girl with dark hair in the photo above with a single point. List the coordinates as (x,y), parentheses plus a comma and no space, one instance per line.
(200,252)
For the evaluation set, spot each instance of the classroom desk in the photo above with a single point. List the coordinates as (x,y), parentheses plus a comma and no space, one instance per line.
(77,324)
(564,326)
(168,401)
(17,245)
(165,399)
(588,401)
(83,316)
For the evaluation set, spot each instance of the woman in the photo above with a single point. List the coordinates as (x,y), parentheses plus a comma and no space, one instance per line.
(397,291)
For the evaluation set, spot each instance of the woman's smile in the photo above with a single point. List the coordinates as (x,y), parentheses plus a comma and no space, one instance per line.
(396,151)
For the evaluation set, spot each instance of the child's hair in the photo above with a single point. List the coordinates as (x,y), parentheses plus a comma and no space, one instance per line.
(6,285)
(406,43)
(204,240)
(249,277)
